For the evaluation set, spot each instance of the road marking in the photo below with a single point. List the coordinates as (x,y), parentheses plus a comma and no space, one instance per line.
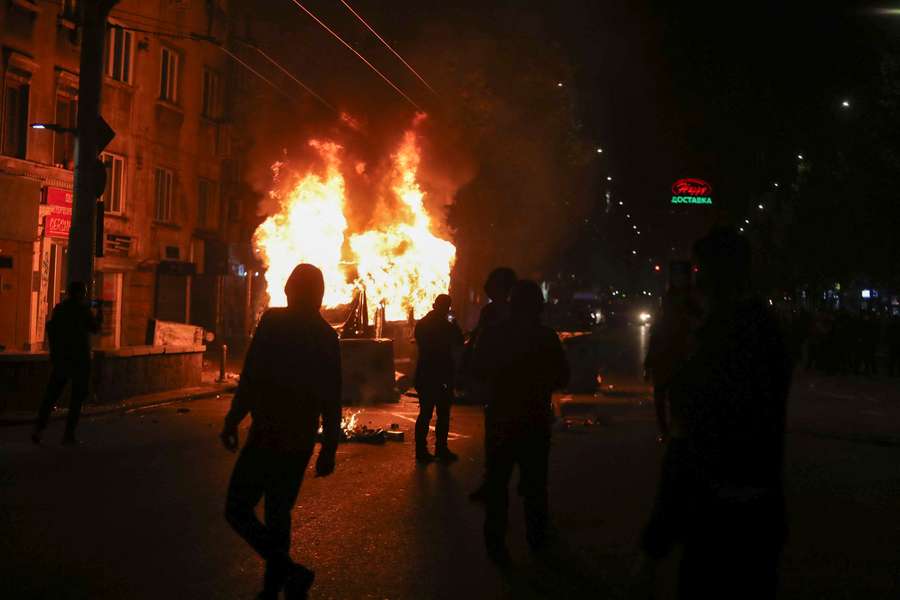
(405,417)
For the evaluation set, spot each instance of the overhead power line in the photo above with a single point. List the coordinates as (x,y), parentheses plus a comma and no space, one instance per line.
(278,66)
(388,46)
(354,51)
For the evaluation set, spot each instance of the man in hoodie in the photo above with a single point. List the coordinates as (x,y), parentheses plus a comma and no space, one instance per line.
(291,377)
(522,362)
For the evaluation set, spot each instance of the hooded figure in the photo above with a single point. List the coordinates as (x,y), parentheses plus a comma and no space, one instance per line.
(521,361)
(291,378)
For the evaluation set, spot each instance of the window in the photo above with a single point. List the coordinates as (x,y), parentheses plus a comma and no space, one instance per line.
(64,143)
(15,117)
(168,76)
(114,195)
(211,94)
(207,205)
(163,184)
(119,48)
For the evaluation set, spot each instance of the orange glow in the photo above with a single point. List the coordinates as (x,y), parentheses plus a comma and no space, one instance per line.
(399,260)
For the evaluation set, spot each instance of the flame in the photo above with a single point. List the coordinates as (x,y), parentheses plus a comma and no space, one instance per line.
(401,263)
(308,228)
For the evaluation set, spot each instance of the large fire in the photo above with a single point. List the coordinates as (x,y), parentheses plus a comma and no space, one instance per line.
(399,261)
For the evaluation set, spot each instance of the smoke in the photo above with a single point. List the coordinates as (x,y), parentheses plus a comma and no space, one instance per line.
(503,159)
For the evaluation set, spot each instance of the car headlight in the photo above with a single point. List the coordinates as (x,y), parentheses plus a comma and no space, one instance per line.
(644,317)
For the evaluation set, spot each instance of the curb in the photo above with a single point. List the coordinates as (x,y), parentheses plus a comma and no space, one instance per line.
(127,406)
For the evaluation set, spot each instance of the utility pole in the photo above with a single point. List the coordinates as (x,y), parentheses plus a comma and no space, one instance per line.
(90,81)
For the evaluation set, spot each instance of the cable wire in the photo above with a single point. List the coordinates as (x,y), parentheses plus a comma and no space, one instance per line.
(291,76)
(388,46)
(360,56)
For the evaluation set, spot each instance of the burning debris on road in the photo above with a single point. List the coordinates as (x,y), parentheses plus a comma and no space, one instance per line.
(353,430)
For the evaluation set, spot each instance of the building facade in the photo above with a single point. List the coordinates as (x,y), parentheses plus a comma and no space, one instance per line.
(175,227)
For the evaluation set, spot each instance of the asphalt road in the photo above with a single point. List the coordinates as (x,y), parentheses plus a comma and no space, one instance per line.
(137,511)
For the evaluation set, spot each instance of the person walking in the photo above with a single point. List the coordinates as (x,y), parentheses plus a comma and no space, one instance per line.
(291,378)
(69,333)
(721,491)
(522,362)
(437,338)
(497,288)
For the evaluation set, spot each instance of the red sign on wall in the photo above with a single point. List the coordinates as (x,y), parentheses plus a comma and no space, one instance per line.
(58,221)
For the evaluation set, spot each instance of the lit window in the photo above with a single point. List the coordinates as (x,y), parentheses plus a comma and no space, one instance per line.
(168,76)
(163,184)
(119,53)
(114,195)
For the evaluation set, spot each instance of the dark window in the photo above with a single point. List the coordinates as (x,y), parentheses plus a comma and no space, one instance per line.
(64,143)
(211,94)
(114,195)
(163,184)
(15,118)
(119,47)
(207,205)
(168,76)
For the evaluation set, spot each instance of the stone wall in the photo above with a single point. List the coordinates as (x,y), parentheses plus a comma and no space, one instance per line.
(117,374)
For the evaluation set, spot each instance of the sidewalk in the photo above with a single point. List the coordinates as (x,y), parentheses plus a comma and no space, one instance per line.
(209,388)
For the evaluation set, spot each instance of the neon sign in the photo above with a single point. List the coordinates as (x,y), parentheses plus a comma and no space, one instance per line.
(691,191)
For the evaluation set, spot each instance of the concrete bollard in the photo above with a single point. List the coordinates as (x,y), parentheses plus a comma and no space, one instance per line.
(223,358)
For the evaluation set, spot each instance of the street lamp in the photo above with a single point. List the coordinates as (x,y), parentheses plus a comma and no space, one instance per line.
(799,157)
(55,127)
(845,104)
(599,150)
(609,177)
(761,206)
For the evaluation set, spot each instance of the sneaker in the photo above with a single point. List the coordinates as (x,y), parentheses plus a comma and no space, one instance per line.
(298,583)
(424,457)
(445,456)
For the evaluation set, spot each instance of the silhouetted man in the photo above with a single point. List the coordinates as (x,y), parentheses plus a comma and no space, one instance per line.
(437,338)
(670,339)
(522,362)
(721,491)
(69,333)
(291,376)
(497,288)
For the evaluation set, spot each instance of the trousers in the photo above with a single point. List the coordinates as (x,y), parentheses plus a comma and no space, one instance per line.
(433,397)
(530,450)
(62,373)
(273,476)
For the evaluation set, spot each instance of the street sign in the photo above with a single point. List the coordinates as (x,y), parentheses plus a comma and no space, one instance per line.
(58,221)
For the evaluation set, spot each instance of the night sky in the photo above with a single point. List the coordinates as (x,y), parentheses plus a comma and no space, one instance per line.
(725,92)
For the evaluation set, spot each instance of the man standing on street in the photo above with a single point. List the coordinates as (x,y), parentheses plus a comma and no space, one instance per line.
(721,492)
(291,376)
(497,287)
(522,362)
(437,338)
(69,333)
